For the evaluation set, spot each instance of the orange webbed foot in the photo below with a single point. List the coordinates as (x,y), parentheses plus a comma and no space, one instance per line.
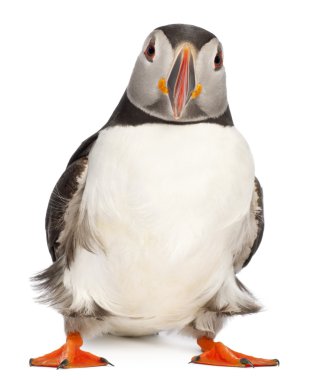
(70,356)
(217,354)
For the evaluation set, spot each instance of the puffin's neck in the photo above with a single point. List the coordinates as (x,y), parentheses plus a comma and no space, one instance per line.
(126,113)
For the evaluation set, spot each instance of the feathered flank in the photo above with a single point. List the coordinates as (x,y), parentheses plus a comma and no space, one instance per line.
(50,284)
(252,231)
(63,193)
(257,206)
(68,229)
(78,231)
(53,292)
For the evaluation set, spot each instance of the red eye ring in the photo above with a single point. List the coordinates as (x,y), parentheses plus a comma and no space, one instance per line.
(150,51)
(218,60)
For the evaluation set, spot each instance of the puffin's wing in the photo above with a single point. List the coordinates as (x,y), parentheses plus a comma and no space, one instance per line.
(84,148)
(252,230)
(67,186)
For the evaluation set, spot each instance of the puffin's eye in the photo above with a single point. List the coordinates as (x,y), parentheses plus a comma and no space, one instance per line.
(218,60)
(150,51)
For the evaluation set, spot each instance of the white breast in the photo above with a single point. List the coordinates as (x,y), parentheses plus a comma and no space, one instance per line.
(164,200)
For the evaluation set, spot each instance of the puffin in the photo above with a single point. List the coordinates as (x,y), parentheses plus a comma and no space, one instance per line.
(157,212)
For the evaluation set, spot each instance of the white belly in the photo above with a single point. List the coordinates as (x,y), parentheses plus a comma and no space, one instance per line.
(164,200)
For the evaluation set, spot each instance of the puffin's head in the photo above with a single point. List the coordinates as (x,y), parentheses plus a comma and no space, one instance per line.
(179,75)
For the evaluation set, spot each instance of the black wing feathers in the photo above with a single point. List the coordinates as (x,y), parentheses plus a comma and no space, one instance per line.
(63,192)
(259,216)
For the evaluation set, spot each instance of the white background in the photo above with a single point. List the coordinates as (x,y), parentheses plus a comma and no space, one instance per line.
(64,66)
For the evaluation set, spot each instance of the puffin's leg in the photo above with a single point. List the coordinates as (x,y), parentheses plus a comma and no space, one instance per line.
(216,353)
(69,356)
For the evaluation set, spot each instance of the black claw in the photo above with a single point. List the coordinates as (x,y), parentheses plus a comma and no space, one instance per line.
(63,364)
(195,359)
(277,361)
(103,360)
(30,362)
(245,361)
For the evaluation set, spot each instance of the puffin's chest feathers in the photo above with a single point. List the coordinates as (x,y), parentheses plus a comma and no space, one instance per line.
(164,200)
(153,175)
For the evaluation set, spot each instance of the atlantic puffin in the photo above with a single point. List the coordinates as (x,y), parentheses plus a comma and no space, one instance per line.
(158,211)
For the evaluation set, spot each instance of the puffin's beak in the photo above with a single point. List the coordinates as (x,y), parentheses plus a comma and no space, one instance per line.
(181,81)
